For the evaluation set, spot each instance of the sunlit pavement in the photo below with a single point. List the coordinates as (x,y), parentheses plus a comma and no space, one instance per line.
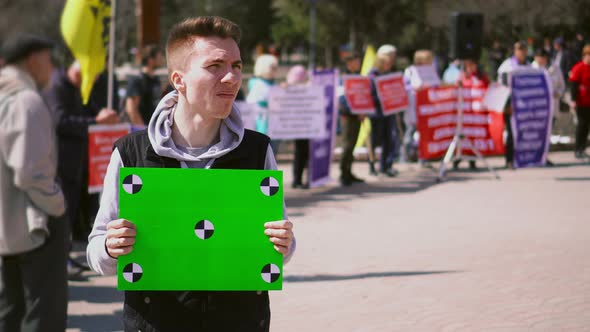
(407,254)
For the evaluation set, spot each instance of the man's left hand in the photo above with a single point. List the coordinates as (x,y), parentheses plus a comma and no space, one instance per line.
(280,233)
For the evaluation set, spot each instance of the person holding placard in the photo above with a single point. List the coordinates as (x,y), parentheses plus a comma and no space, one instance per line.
(518,60)
(298,75)
(350,124)
(413,83)
(72,118)
(195,126)
(383,127)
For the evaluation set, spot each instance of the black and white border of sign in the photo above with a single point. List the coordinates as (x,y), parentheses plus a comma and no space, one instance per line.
(270,273)
(204,229)
(132,272)
(269,186)
(132,184)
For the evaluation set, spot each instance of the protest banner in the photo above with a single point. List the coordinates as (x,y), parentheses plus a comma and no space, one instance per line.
(248,112)
(187,237)
(357,91)
(296,112)
(532,113)
(437,115)
(321,150)
(101,139)
(392,93)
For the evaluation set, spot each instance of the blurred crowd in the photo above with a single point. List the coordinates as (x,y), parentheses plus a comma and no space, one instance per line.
(44,100)
(391,138)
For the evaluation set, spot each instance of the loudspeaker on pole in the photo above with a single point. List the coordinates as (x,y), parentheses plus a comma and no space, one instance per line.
(466,35)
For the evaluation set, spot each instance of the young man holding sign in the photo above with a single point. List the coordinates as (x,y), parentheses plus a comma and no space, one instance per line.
(192,127)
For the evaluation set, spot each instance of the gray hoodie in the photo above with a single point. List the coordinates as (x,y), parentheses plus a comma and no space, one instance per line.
(159,128)
(28,190)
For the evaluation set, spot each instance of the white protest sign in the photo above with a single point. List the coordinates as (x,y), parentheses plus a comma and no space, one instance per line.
(426,76)
(296,112)
(496,97)
(248,111)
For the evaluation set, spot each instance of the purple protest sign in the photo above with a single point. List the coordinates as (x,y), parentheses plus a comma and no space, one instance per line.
(532,111)
(320,150)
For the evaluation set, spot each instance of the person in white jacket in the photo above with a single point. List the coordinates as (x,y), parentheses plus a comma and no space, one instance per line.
(33,239)
(557,82)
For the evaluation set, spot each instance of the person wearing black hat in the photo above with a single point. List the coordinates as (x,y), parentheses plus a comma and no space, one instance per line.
(350,124)
(33,237)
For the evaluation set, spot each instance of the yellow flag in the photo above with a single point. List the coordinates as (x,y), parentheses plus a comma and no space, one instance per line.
(85,28)
(368,60)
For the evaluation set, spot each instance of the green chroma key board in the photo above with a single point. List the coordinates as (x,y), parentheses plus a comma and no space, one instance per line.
(200,229)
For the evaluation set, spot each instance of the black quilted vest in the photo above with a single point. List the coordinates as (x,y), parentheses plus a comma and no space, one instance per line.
(163,311)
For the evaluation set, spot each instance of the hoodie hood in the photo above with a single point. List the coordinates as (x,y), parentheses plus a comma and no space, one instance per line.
(13,79)
(231,133)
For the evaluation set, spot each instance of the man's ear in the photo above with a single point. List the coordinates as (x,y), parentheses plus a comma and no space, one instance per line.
(177,81)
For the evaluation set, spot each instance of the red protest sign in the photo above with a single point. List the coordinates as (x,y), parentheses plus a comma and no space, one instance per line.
(392,93)
(101,139)
(437,113)
(357,91)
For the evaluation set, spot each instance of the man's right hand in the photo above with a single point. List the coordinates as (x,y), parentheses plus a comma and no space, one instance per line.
(120,237)
(107,116)
(573,105)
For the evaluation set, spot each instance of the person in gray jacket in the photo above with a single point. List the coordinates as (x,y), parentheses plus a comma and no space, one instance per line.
(33,239)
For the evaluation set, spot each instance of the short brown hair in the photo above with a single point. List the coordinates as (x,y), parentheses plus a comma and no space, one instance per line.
(586,49)
(184,33)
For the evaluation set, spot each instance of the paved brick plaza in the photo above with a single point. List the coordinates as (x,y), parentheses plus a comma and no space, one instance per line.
(406,254)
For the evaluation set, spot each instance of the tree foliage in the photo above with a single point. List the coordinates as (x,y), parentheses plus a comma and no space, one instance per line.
(408,24)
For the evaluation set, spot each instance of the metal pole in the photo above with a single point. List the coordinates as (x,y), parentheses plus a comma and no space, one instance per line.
(312,19)
(111,63)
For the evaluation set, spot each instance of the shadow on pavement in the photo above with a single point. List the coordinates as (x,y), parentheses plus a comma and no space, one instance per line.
(97,323)
(95,294)
(573,179)
(402,185)
(335,277)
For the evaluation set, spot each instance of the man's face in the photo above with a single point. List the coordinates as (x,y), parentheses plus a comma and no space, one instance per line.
(41,67)
(520,54)
(213,76)
(354,65)
(387,64)
(470,67)
(392,57)
(157,61)
(541,61)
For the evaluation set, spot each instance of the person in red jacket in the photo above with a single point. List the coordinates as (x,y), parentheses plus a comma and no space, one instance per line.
(471,77)
(580,79)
